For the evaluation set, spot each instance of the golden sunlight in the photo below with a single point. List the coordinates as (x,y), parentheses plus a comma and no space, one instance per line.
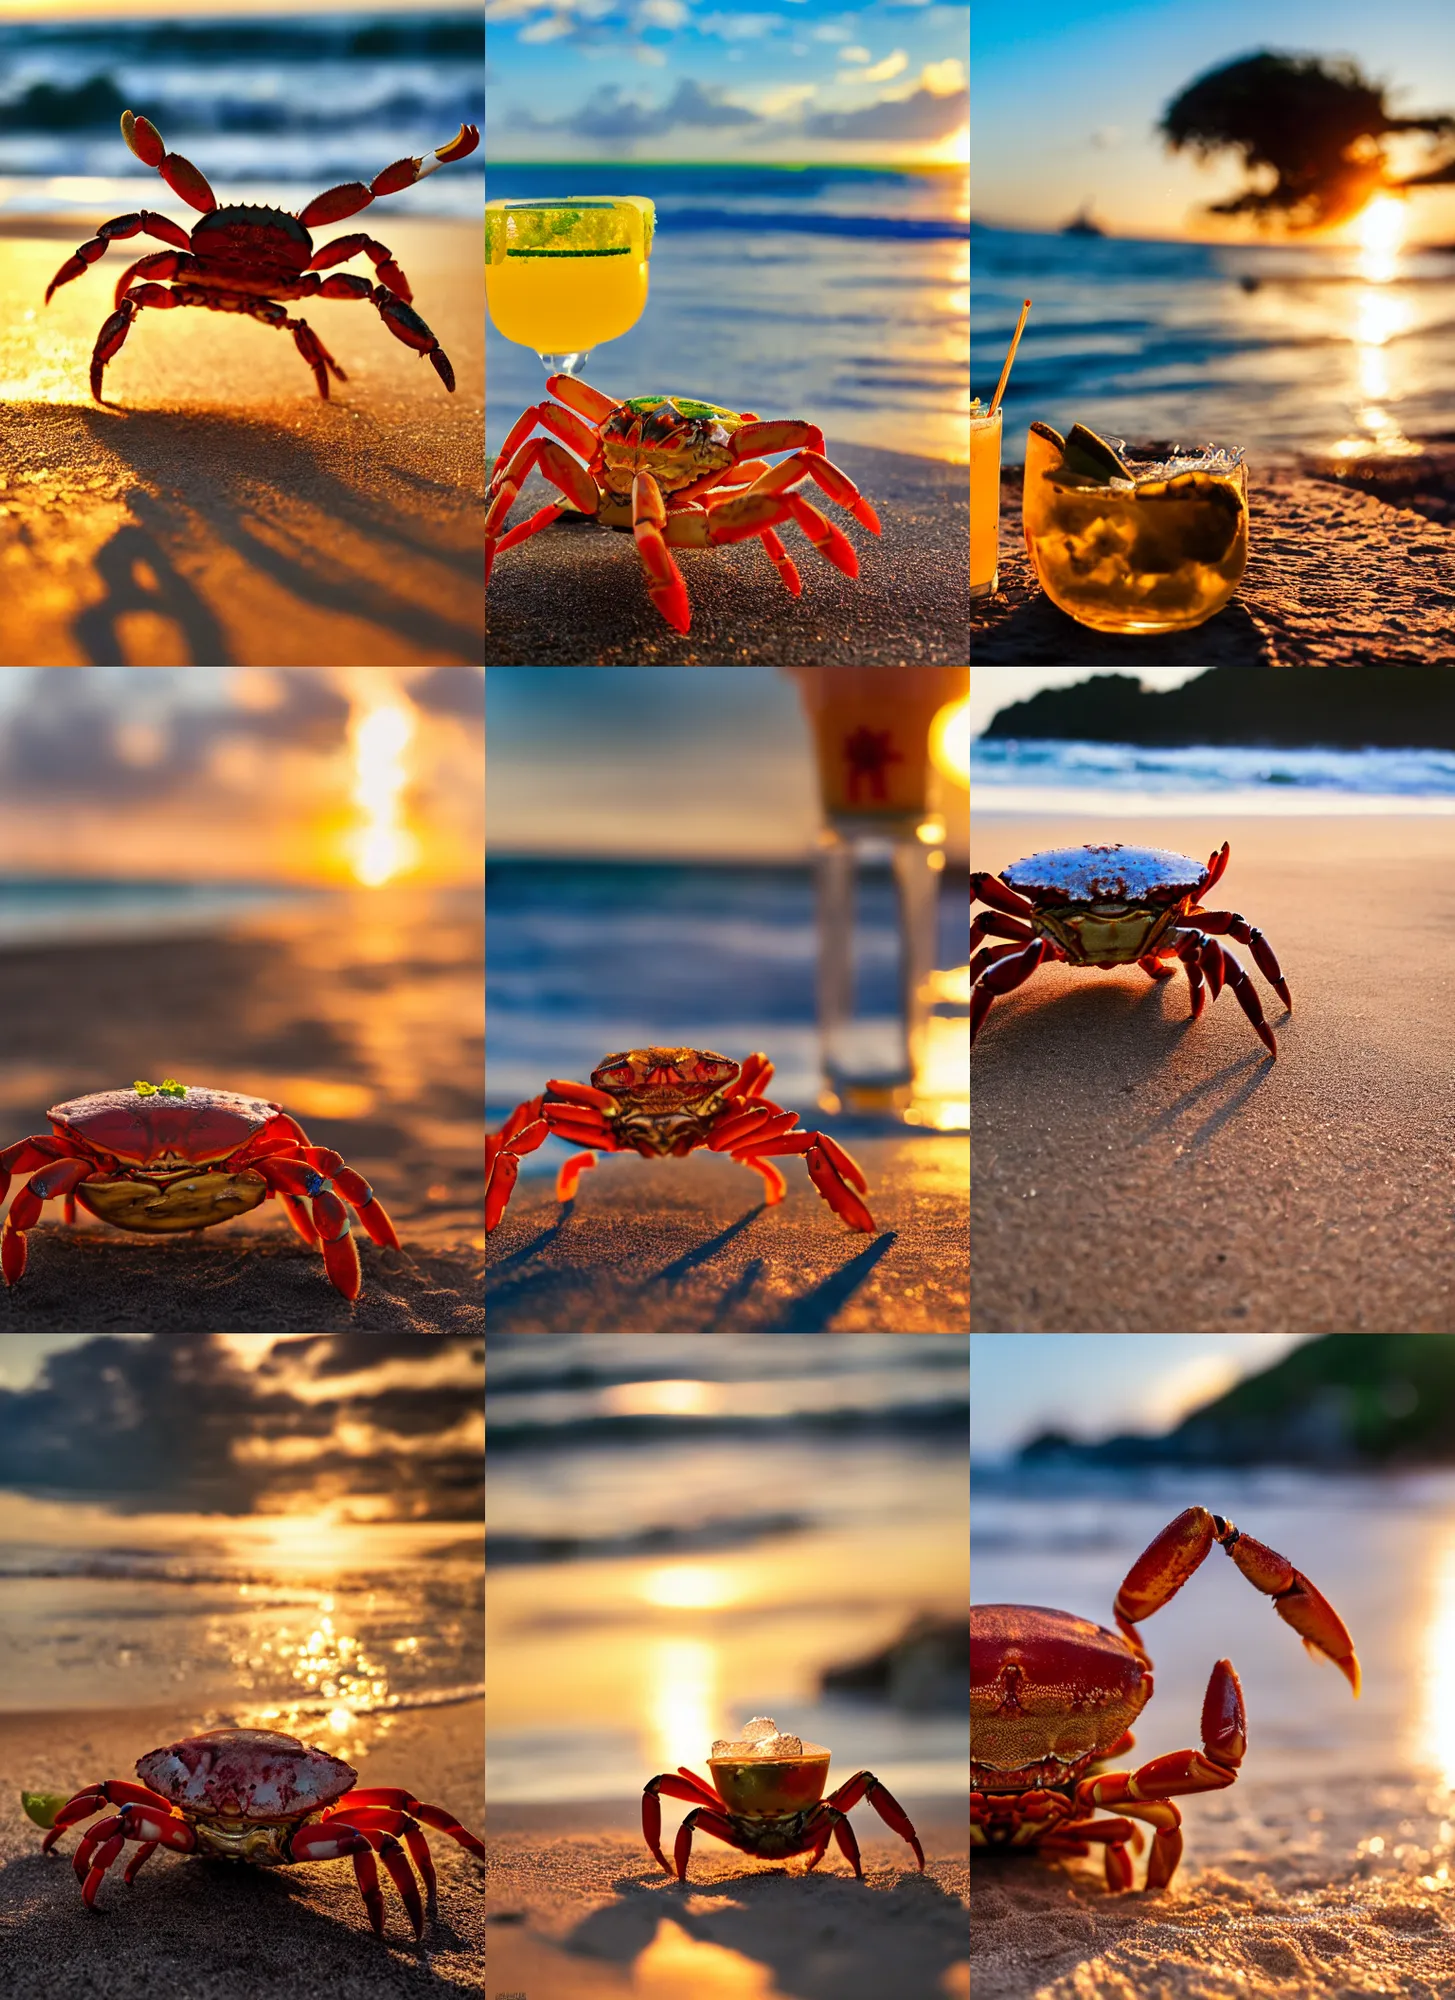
(950,741)
(675,1963)
(1379,231)
(661,1399)
(379,737)
(688,1587)
(1436,1740)
(683,1702)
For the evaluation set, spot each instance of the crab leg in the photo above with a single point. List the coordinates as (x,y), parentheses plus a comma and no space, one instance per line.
(864,1785)
(331,1839)
(754,1076)
(782,562)
(784,434)
(348,198)
(62,1177)
(1217,861)
(379,255)
(848,1845)
(103,1843)
(1155,969)
(1228,923)
(711,1822)
(992,955)
(522,1132)
(144,222)
(1157,1575)
(394,1796)
(111,1791)
(1219,964)
(556,465)
(830,1169)
(685,1785)
(1005,977)
(357,1192)
(38,1150)
(999,926)
(825,474)
(564,424)
(664,580)
(581,397)
(985,888)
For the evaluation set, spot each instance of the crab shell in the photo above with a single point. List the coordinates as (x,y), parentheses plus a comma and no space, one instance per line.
(666,1096)
(1050,1694)
(1106,905)
(244,1789)
(170,1153)
(675,438)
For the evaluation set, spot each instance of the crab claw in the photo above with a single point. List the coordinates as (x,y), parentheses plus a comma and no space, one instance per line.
(405,324)
(828,1165)
(180,175)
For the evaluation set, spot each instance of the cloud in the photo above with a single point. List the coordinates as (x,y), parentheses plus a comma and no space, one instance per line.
(944,78)
(924,116)
(610,115)
(738,27)
(882,72)
(854,55)
(456,691)
(834,31)
(178,1424)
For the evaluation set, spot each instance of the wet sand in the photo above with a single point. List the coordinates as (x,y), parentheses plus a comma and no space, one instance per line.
(1138,1172)
(1303,1891)
(577,1908)
(575,594)
(216,512)
(686,1246)
(197,1930)
(363,1020)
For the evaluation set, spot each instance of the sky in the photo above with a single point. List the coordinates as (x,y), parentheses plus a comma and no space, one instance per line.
(1093,1385)
(240,773)
(714,763)
(774,80)
(1066,95)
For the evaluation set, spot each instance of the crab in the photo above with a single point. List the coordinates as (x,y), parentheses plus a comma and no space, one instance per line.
(258,1795)
(167,1156)
(244,260)
(767,1799)
(661,1102)
(680,474)
(1115,905)
(1052,1698)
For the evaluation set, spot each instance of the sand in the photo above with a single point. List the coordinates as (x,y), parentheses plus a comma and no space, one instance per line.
(574,595)
(1304,1891)
(574,1902)
(216,512)
(370,1035)
(1135,1172)
(1335,577)
(685,1246)
(215,1930)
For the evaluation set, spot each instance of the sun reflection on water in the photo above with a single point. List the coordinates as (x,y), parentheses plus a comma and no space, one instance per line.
(1437,1725)
(683,1711)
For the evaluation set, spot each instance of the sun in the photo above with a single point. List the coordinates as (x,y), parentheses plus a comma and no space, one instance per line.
(1379,230)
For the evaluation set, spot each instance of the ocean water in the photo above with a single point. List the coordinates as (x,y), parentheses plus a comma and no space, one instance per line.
(49,909)
(1279,349)
(583,958)
(683,1533)
(1056,775)
(1380,1548)
(270,108)
(837,294)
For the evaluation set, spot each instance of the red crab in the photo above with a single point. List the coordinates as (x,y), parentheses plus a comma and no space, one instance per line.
(257,1795)
(671,1101)
(243,260)
(661,466)
(1052,1697)
(169,1156)
(771,1806)
(1117,905)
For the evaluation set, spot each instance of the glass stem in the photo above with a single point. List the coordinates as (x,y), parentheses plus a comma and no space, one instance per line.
(565,364)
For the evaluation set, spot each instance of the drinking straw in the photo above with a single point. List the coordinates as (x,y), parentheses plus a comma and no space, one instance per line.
(1020,327)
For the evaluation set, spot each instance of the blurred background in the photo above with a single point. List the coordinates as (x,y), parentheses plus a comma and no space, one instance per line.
(275,1530)
(1339,1452)
(274,102)
(650,877)
(684,1534)
(265,881)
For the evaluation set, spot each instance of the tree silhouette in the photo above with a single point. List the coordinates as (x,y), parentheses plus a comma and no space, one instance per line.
(1317,126)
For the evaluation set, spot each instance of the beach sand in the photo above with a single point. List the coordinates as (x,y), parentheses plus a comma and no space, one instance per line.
(1136,1172)
(684,1246)
(364,1021)
(575,595)
(195,1930)
(577,1908)
(217,512)
(1304,1890)
(1335,578)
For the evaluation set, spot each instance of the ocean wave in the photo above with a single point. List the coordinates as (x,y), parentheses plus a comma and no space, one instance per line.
(813,222)
(1134,769)
(727,1531)
(935,1416)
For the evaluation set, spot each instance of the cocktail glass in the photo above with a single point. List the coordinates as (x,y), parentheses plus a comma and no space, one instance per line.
(984,500)
(562,276)
(1160,552)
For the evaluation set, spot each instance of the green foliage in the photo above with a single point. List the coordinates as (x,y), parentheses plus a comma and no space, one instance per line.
(1311,128)
(1367,1398)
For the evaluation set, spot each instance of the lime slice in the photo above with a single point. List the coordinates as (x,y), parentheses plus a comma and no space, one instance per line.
(42,1807)
(580,226)
(1090,458)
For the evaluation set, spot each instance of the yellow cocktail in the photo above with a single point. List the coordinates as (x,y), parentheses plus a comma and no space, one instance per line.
(562,276)
(984,501)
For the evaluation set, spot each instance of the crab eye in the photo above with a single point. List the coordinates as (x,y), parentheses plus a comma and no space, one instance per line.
(621,1074)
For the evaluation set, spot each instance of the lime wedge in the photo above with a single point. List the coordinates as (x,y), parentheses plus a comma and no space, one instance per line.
(1088,457)
(579,226)
(42,1807)
(1051,436)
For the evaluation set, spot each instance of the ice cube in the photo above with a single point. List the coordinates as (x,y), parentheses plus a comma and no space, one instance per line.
(759,1727)
(725,1746)
(778,1746)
